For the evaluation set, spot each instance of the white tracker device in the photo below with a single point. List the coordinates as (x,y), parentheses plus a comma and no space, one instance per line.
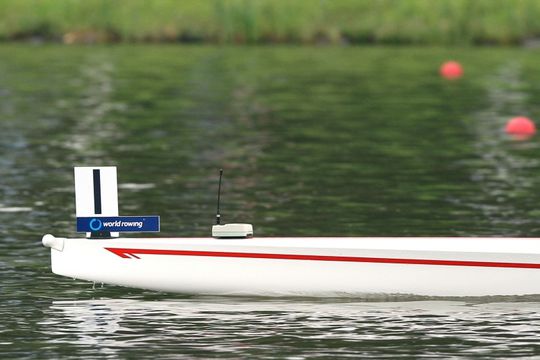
(229,230)
(232,231)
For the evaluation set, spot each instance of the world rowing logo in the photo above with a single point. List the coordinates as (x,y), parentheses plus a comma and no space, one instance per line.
(98,223)
(95,224)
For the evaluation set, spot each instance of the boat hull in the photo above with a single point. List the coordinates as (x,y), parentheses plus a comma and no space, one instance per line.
(306,266)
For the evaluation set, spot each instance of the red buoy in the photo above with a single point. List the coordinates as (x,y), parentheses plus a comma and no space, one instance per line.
(520,125)
(451,70)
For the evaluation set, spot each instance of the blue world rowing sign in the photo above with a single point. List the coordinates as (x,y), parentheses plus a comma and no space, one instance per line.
(118,224)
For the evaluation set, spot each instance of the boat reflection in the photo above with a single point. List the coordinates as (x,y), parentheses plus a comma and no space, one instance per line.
(240,327)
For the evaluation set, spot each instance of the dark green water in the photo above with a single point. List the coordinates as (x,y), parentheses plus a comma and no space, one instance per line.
(314,141)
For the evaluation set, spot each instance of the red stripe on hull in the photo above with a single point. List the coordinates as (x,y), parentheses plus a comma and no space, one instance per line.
(129,253)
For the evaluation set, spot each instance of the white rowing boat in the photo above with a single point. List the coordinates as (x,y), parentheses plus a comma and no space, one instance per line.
(234,263)
(306,266)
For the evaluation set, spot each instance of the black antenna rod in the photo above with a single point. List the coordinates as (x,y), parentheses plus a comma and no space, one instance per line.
(218,215)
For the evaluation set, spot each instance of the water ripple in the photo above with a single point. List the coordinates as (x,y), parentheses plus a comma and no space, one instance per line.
(232,328)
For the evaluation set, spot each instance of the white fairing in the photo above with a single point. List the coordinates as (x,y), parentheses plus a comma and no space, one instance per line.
(210,272)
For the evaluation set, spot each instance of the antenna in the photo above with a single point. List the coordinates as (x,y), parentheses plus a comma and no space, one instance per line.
(229,231)
(218,215)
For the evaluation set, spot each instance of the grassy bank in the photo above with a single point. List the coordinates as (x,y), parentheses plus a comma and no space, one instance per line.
(272,21)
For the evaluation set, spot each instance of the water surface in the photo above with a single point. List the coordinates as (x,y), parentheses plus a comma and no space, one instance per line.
(363,141)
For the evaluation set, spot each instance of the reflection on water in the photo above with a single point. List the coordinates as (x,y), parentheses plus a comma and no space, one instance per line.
(301,329)
(501,173)
(91,127)
(14,209)
(314,141)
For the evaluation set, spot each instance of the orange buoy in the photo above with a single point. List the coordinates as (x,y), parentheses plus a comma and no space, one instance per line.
(451,70)
(521,126)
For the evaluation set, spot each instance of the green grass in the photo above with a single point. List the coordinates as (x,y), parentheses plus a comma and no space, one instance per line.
(275,21)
